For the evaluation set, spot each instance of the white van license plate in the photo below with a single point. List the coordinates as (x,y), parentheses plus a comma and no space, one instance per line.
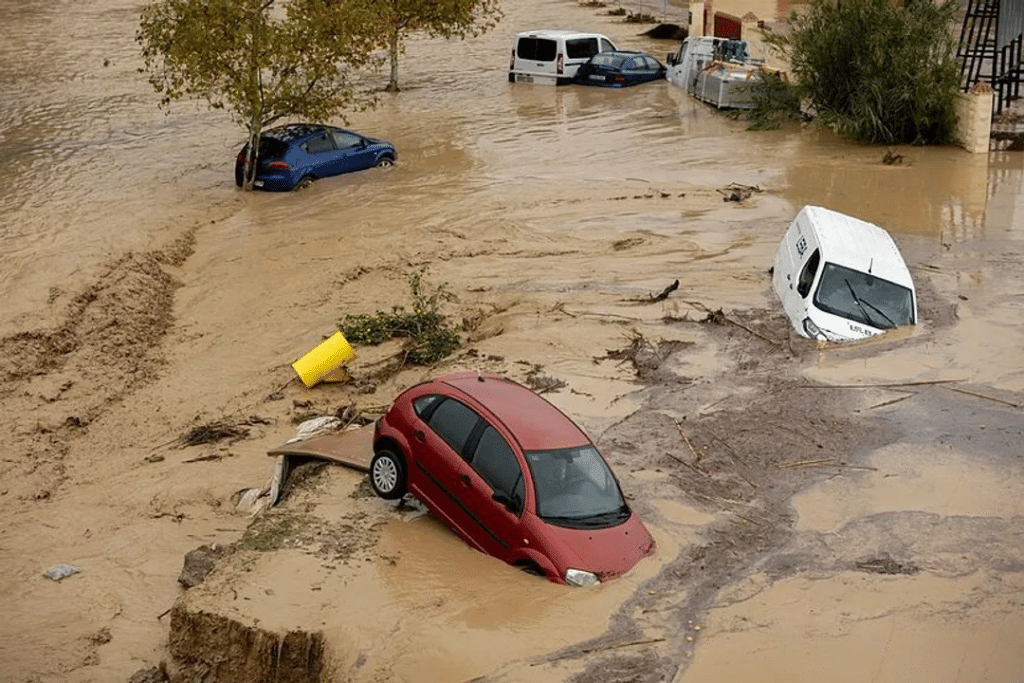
(524,78)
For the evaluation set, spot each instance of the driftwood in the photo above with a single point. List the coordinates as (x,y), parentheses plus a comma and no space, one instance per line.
(895,400)
(654,298)
(679,428)
(893,385)
(717,316)
(990,398)
(825,462)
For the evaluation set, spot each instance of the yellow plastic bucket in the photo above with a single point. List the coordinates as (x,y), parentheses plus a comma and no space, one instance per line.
(331,354)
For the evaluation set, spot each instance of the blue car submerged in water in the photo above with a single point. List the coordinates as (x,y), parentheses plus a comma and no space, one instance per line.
(620,68)
(296,155)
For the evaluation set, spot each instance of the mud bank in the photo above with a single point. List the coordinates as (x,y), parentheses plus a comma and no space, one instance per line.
(218,648)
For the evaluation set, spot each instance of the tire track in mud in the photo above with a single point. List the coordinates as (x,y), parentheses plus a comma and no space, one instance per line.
(57,382)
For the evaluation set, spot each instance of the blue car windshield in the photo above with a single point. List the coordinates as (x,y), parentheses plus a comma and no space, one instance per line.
(864,298)
(575,488)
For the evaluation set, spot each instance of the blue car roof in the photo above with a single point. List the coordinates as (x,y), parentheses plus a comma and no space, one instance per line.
(294,131)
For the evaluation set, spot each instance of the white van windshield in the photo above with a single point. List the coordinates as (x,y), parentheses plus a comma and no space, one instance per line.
(864,298)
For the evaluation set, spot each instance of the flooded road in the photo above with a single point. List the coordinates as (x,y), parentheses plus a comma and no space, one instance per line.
(549,213)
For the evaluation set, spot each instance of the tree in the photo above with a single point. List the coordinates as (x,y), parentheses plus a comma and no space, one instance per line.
(259,59)
(445,18)
(876,70)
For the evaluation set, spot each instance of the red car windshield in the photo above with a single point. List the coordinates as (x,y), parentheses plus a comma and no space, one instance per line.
(575,488)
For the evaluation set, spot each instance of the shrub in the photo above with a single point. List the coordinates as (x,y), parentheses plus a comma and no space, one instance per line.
(429,338)
(877,70)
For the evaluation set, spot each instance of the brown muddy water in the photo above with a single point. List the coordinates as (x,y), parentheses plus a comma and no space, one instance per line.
(144,295)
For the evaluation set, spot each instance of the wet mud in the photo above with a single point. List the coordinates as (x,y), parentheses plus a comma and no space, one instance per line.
(817,508)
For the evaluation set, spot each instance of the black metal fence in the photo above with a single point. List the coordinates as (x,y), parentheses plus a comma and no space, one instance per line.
(992,48)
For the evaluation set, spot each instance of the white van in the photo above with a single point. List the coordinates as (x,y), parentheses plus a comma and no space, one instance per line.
(552,57)
(841,278)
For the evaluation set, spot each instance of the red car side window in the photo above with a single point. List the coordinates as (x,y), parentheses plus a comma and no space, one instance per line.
(453,422)
(495,462)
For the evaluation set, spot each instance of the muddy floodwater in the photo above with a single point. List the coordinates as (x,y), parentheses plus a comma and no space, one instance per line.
(821,512)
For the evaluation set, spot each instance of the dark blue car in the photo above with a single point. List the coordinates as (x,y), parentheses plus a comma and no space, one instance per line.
(296,155)
(619,69)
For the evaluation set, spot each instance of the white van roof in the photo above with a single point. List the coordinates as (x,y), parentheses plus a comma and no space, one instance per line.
(857,244)
(558,33)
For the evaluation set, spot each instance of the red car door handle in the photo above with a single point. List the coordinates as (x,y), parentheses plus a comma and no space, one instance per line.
(465,480)
(420,436)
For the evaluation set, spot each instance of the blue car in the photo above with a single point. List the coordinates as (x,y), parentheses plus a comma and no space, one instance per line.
(619,69)
(294,156)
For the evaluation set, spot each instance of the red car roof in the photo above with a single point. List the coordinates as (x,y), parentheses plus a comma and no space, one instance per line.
(536,423)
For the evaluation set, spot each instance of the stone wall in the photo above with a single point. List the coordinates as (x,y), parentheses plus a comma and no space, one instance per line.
(974,114)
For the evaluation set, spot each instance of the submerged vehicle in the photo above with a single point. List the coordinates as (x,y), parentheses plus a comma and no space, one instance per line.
(620,69)
(296,155)
(551,57)
(719,71)
(511,474)
(840,278)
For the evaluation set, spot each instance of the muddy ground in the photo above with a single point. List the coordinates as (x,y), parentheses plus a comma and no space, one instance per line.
(843,513)
(710,416)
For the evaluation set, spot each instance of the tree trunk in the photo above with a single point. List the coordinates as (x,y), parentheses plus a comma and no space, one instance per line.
(393,53)
(249,171)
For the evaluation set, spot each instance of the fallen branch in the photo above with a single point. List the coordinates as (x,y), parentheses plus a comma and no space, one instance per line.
(697,304)
(892,385)
(679,428)
(806,463)
(826,462)
(687,465)
(990,398)
(659,297)
(895,400)
(735,456)
(203,458)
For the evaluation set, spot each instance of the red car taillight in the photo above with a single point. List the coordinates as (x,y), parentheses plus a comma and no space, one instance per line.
(560,63)
(619,78)
(241,157)
(283,165)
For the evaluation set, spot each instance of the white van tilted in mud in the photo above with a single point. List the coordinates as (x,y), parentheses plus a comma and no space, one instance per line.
(841,278)
(552,57)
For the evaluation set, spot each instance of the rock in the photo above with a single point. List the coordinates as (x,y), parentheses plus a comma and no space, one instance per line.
(61,571)
(199,563)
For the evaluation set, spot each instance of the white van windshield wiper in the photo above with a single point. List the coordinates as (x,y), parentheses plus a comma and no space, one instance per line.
(861,303)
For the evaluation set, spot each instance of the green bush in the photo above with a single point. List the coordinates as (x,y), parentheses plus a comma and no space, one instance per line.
(877,70)
(774,100)
(429,338)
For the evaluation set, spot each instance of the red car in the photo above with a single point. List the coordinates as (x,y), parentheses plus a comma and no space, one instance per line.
(511,474)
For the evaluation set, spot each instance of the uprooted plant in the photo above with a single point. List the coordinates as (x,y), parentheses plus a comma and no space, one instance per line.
(428,335)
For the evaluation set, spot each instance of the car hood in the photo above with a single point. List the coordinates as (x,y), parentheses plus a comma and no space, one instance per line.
(607,552)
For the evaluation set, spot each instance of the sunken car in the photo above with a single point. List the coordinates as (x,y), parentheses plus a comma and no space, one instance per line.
(511,474)
(296,155)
